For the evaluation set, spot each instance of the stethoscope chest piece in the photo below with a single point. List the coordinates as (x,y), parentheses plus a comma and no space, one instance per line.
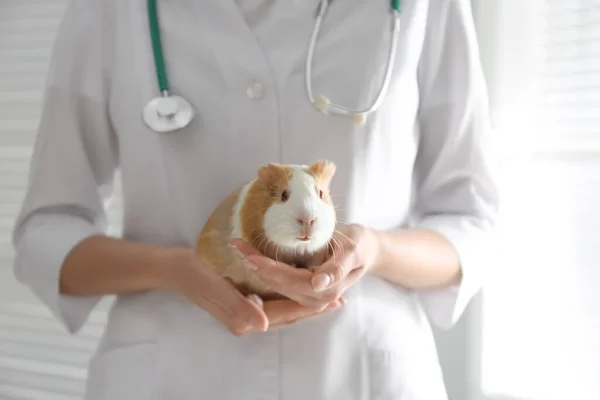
(168,113)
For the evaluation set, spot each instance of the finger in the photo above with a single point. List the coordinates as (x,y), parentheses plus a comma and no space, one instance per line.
(239,312)
(247,329)
(282,312)
(243,248)
(331,307)
(269,270)
(275,311)
(332,272)
(254,257)
(281,277)
(256,300)
(237,326)
(297,316)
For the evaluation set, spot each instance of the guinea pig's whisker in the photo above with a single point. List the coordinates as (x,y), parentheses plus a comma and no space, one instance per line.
(340,246)
(262,235)
(338,221)
(337,242)
(275,190)
(264,242)
(332,251)
(276,253)
(352,242)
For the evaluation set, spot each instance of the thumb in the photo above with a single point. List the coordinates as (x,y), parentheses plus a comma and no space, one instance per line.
(332,272)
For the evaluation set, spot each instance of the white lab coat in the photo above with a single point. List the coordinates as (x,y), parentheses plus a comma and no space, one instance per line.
(422,160)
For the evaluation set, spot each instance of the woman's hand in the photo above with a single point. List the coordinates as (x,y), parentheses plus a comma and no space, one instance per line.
(216,295)
(352,253)
(241,315)
(286,312)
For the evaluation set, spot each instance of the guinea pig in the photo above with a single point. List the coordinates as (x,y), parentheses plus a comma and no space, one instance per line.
(285,212)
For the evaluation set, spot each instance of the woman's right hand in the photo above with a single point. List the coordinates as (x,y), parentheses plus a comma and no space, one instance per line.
(240,314)
(286,312)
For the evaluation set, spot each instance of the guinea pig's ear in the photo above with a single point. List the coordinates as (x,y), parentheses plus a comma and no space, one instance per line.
(323,171)
(269,173)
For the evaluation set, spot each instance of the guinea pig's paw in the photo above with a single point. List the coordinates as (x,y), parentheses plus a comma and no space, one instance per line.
(255,299)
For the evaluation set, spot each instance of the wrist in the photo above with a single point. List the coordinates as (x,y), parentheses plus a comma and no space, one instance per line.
(173,267)
(375,238)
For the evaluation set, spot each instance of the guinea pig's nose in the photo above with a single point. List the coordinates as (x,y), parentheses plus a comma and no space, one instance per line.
(306,221)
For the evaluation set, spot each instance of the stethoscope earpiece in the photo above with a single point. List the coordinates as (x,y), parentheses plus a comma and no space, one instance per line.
(323,104)
(359,119)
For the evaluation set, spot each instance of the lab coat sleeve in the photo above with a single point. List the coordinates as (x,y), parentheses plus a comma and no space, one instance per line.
(73,163)
(455,168)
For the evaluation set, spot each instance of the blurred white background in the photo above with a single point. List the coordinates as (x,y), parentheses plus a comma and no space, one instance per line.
(533,334)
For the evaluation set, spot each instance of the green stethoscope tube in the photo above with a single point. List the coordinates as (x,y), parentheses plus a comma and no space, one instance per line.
(157,50)
(396,4)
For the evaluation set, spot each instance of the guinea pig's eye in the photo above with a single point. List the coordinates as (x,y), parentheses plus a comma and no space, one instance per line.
(319,192)
(285,195)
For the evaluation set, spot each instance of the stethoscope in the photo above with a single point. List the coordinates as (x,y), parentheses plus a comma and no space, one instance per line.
(321,102)
(168,112)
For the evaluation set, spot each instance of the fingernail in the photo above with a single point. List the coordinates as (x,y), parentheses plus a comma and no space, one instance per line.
(256,300)
(321,281)
(343,301)
(250,266)
(236,251)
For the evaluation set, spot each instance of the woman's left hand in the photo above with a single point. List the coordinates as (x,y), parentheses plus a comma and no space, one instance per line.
(351,255)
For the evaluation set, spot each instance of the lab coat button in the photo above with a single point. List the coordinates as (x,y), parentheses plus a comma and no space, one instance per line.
(255,91)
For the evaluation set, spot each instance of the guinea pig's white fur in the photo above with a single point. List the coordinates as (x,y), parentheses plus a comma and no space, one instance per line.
(304,202)
(280,224)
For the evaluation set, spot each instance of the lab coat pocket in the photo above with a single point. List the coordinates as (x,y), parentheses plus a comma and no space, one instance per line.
(123,373)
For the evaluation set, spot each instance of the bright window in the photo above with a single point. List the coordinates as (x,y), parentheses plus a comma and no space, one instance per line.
(541,313)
